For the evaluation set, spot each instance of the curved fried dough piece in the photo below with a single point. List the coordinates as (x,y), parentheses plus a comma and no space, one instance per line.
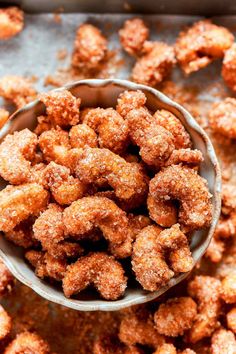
(17,203)
(127,179)
(16,152)
(97,269)
(129,100)
(185,157)
(164,212)
(185,185)
(7,280)
(112,129)
(22,235)
(229,68)
(88,213)
(222,118)
(27,342)
(81,135)
(62,107)
(5,323)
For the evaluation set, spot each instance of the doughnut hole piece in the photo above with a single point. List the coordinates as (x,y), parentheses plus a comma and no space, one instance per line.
(7,280)
(82,135)
(62,108)
(27,342)
(132,35)
(222,118)
(17,89)
(155,64)
(129,100)
(175,316)
(229,288)
(17,203)
(11,22)
(97,269)
(16,153)
(5,323)
(90,48)
(229,67)
(231,319)
(4,115)
(200,44)
(223,342)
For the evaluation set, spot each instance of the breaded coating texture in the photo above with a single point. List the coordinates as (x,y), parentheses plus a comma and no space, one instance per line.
(97,269)
(6,279)
(4,115)
(186,157)
(28,343)
(17,203)
(223,342)
(5,323)
(222,118)
(11,22)
(155,64)
(129,100)
(231,320)
(82,135)
(200,44)
(16,153)
(229,288)
(90,48)
(229,67)
(190,189)
(166,348)
(175,316)
(132,35)
(62,107)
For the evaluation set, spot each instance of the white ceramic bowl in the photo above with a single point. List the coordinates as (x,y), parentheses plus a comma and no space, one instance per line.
(104,93)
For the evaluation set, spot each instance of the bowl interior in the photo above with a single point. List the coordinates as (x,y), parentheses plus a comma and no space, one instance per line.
(104,93)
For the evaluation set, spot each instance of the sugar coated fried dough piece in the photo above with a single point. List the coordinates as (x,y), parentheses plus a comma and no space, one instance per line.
(6,279)
(148,260)
(89,213)
(155,142)
(17,203)
(229,288)
(199,45)
(81,135)
(231,319)
(170,122)
(155,64)
(4,115)
(28,343)
(11,22)
(223,342)
(164,212)
(112,129)
(55,145)
(127,179)
(137,223)
(46,266)
(90,48)
(166,348)
(111,345)
(64,187)
(129,100)
(132,35)
(222,118)
(229,67)
(17,89)
(206,291)
(97,269)
(185,185)
(5,323)
(62,107)
(175,316)
(185,156)
(43,125)
(22,235)
(16,152)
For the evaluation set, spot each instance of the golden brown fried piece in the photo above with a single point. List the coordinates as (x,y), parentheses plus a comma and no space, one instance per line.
(62,107)
(17,89)
(88,213)
(111,345)
(65,188)
(166,348)
(112,129)
(162,210)
(82,135)
(132,35)
(129,100)
(17,203)
(6,279)
(148,260)
(231,319)
(229,288)
(5,323)
(222,118)
(185,157)
(97,269)
(185,185)
(137,223)
(175,316)
(16,153)
(28,343)
(229,67)
(223,342)
(200,44)
(155,64)
(46,266)
(127,179)
(22,235)
(206,291)
(155,142)
(90,48)
(4,115)
(43,125)
(11,22)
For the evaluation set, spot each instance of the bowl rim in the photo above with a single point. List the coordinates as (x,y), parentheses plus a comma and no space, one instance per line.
(103,305)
